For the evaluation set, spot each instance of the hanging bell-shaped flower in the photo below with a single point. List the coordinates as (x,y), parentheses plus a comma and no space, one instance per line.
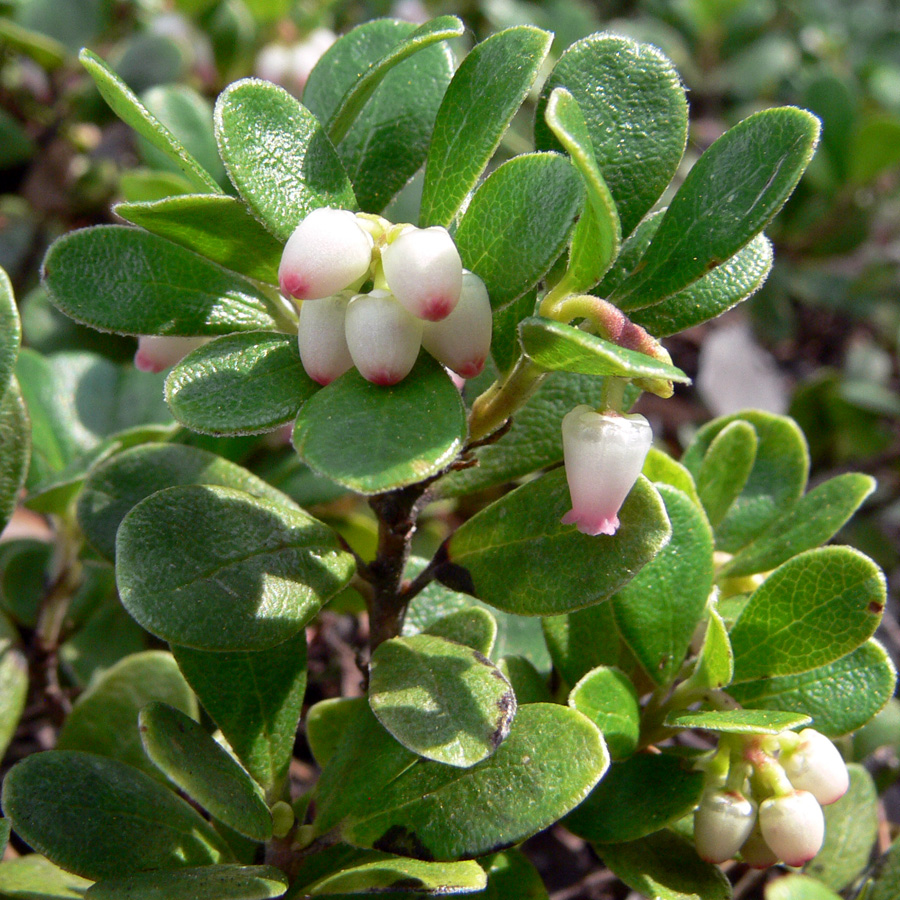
(327,253)
(816,765)
(722,822)
(156,353)
(604,454)
(462,340)
(383,338)
(793,826)
(321,338)
(424,272)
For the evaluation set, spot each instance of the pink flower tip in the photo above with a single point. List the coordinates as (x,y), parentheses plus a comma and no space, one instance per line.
(587,525)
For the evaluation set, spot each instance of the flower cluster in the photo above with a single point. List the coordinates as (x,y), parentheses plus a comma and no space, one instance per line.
(604,454)
(419,295)
(765,798)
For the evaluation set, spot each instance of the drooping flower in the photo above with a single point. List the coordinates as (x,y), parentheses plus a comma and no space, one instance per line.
(328,252)
(424,272)
(156,353)
(322,340)
(604,454)
(383,338)
(462,340)
(816,765)
(793,826)
(722,823)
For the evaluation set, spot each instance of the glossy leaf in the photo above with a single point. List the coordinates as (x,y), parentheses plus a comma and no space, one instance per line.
(660,468)
(278,155)
(327,721)
(228,882)
(104,719)
(637,797)
(487,89)
(349,431)
(100,818)
(259,574)
(816,518)
(181,749)
(15,449)
(13,683)
(517,556)
(472,627)
(511,876)
(738,721)
(123,279)
(776,481)
(133,113)
(255,699)
(609,700)
(598,235)
(505,349)
(725,469)
(617,82)
(380,876)
(439,699)
(666,866)
(657,612)
(551,759)
(840,696)
(240,384)
(501,239)
(10,331)
(213,225)
(555,346)
(534,439)
(719,290)
(810,611)
(117,484)
(581,641)
(33,875)
(728,197)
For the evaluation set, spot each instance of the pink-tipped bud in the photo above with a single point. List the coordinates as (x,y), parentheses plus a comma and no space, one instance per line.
(793,826)
(321,338)
(816,765)
(604,454)
(722,822)
(156,354)
(327,253)
(383,338)
(756,852)
(462,341)
(424,272)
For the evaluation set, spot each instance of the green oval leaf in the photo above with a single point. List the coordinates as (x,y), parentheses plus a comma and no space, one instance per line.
(487,89)
(799,887)
(255,699)
(35,876)
(259,574)
(230,882)
(123,279)
(182,750)
(372,439)
(620,84)
(472,627)
(278,155)
(516,555)
(810,611)
(657,612)
(240,384)
(609,700)
(326,723)
(738,721)
(582,640)
(555,346)
(13,684)
(396,873)
(439,699)
(132,112)
(118,484)
(104,719)
(213,225)
(100,818)
(637,797)
(15,449)
(728,197)
(725,469)
(551,759)
(841,696)
(10,331)
(499,237)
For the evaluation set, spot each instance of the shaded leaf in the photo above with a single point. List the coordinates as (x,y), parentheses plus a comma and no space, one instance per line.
(582,640)
(10,331)
(15,449)
(725,469)
(13,683)
(34,876)
(228,882)
(380,876)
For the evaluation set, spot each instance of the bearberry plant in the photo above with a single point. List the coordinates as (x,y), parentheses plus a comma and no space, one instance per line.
(629,644)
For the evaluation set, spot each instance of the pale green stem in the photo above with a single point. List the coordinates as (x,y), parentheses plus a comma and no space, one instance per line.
(495,406)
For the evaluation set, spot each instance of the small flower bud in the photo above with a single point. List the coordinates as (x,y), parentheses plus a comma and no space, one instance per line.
(321,338)
(156,353)
(383,338)
(424,271)
(816,765)
(756,852)
(604,454)
(793,826)
(462,340)
(326,254)
(722,822)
